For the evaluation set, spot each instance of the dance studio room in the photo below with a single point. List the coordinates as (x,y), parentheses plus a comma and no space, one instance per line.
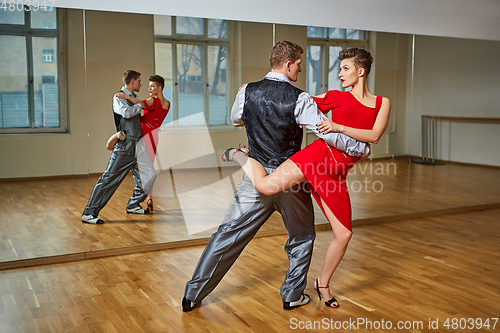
(90,244)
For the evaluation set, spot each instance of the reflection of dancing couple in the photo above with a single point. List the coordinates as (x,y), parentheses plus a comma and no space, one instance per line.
(133,147)
(273,112)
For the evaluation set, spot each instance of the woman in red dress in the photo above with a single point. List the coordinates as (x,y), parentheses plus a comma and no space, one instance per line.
(155,110)
(357,113)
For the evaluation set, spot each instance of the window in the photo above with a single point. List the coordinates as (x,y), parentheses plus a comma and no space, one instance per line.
(29,84)
(48,55)
(192,56)
(323,47)
(48,79)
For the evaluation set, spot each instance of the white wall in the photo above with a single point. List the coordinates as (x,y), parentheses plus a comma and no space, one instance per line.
(390,73)
(456,77)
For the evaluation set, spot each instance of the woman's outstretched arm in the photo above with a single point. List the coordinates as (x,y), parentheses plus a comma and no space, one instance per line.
(285,176)
(371,136)
(121,94)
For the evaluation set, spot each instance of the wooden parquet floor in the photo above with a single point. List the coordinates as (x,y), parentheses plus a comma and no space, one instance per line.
(41,218)
(413,273)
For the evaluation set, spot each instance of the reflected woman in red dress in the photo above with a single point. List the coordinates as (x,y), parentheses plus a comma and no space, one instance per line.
(357,113)
(156,108)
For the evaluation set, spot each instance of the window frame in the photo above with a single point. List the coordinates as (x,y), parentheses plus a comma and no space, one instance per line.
(175,39)
(60,34)
(326,43)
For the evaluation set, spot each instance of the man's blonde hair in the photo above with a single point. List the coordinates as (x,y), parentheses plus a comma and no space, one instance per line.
(284,51)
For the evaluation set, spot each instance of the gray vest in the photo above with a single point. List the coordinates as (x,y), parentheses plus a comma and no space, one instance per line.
(268,113)
(131,126)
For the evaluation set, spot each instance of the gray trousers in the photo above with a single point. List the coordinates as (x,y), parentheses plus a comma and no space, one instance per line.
(248,211)
(124,158)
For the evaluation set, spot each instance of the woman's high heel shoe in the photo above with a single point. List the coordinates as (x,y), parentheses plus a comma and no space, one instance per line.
(150,204)
(227,157)
(327,303)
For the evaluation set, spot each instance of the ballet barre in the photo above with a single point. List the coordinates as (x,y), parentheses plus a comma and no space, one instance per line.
(429,131)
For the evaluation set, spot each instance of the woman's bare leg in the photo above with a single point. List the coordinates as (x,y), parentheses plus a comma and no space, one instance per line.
(150,197)
(112,140)
(285,176)
(149,202)
(334,253)
(151,141)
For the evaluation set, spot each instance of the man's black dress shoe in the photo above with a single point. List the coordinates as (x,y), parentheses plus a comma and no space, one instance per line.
(304,299)
(187,305)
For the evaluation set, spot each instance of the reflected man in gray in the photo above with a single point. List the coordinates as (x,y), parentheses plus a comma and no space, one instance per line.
(273,112)
(124,157)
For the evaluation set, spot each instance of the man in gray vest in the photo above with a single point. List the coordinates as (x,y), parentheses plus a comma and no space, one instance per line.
(124,156)
(273,112)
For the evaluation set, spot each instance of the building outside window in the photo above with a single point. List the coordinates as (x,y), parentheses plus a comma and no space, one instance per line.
(29,101)
(48,55)
(48,79)
(192,55)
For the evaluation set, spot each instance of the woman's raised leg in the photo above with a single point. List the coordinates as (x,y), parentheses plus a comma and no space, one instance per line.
(334,254)
(110,145)
(285,176)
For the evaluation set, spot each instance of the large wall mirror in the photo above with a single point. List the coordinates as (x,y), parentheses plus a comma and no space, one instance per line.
(63,67)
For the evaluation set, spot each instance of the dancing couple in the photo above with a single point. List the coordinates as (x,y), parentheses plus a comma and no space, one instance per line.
(133,146)
(273,112)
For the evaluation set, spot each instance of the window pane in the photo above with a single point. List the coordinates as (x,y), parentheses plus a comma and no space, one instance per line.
(355,34)
(13,82)
(163,25)
(318,32)
(217,89)
(163,67)
(314,86)
(44,19)
(189,26)
(358,46)
(11,17)
(191,85)
(336,33)
(45,82)
(334,82)
(217,28)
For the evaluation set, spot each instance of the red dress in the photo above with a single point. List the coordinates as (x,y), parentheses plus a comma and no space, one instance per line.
(326,167)
(151,120)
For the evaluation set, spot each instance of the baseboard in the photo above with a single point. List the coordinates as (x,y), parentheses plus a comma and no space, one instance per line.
(25,179)
(441,162)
